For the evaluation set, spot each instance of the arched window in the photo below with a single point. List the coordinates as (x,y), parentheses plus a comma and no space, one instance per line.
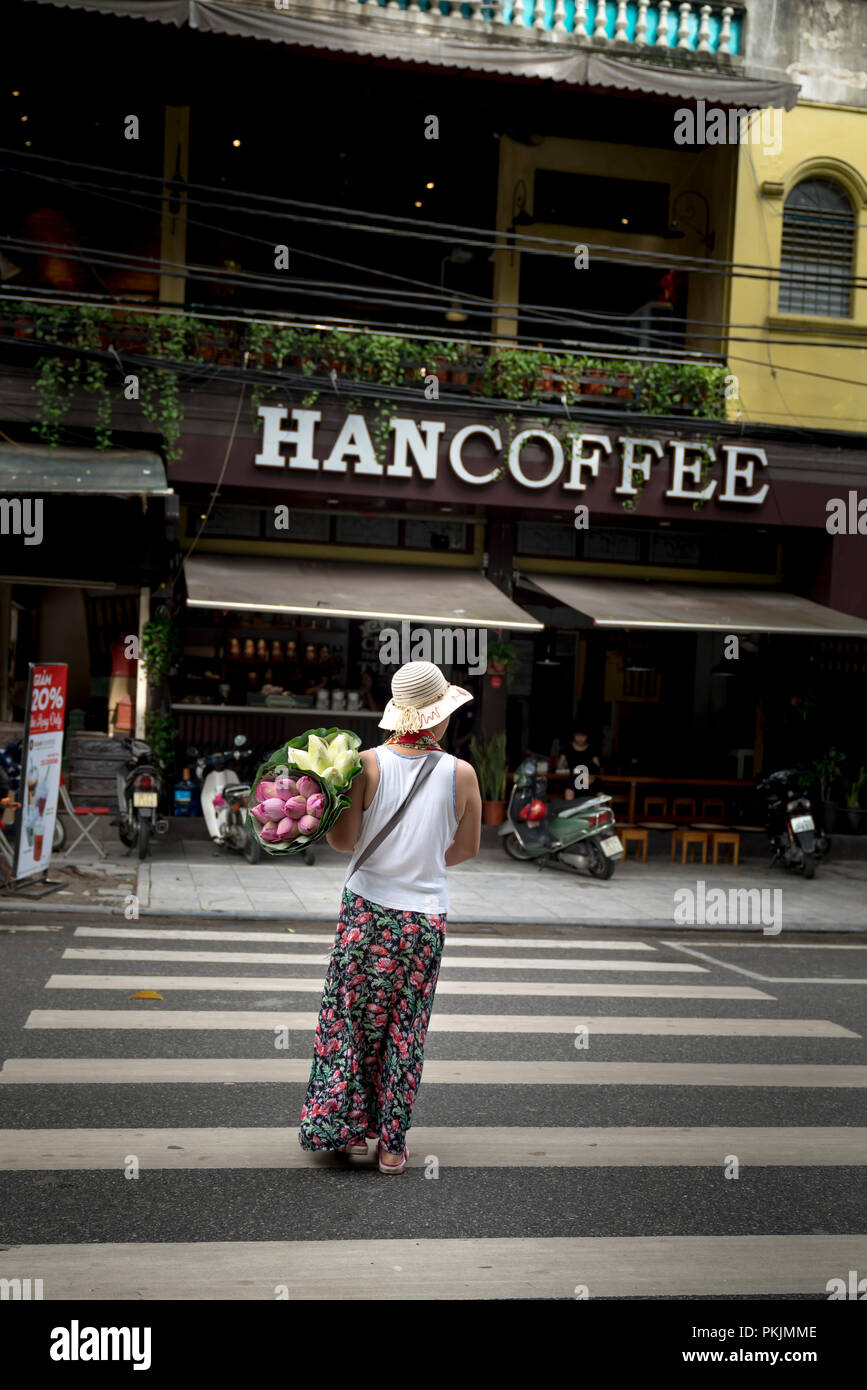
(817,250)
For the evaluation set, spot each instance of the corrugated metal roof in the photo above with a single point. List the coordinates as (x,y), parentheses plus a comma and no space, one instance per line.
(379,36)
(114,472)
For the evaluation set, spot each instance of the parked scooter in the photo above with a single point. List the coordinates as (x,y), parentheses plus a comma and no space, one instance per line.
(789,823)
(139,788)
(10,785)
(581,837)
(224,799)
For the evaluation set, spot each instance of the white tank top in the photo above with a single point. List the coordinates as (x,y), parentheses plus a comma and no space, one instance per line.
(407,871)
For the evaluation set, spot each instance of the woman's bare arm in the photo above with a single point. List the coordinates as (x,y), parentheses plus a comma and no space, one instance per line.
(345,830)
(468,836)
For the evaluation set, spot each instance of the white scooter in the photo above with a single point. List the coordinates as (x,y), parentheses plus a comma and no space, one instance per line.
(224,800)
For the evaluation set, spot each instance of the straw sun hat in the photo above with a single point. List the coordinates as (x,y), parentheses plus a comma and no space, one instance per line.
(420,698)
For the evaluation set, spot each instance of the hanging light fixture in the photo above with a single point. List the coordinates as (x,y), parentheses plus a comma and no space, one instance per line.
(458,256)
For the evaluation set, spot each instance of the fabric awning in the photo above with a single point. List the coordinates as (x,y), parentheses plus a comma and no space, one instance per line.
(376,33)
(460,597)
(691,607)
(113,472)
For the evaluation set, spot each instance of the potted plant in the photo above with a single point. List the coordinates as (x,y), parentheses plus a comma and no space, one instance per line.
(854,814)
(502,660)
(489,756)
(828,769)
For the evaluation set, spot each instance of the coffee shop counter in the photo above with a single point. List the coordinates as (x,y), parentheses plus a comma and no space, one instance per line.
(208,727)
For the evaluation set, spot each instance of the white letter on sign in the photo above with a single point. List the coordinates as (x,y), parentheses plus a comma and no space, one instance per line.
(353,439)
(734,470)
(556,458)
(408,436)
(681,466)
(580,460)
(273,436)
(631,465)
(457,445)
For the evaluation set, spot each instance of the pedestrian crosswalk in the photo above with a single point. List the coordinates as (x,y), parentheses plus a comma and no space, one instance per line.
(562,1086)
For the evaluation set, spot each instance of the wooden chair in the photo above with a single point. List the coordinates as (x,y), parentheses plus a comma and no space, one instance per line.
(685,838)
(712,806)
(655,806)
(720,838)
(633,834)
(683,806)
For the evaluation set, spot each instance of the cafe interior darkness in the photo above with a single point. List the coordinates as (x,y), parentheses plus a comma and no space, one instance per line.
(343,131)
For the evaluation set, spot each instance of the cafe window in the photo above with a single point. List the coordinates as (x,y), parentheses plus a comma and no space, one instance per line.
(367,530)
(537,538)
(242,522)
(435,535)
(303,526)
(817,250)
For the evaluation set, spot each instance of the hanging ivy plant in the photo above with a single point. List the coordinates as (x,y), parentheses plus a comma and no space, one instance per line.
(160,646)
(161,732)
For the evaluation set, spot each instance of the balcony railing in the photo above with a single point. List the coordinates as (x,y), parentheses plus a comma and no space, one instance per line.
(651,28)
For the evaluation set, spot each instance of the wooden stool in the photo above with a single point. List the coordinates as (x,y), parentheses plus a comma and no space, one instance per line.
(687,805)
(633,834)
(685,838)
(726,837)
(655,805)
(713,808)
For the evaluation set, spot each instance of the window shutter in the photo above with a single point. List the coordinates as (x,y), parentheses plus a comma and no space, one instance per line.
(817,250)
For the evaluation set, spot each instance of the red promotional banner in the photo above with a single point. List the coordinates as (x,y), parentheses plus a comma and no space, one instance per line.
(47,699)
(40,772)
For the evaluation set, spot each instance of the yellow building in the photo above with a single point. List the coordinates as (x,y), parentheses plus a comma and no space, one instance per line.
(798,341)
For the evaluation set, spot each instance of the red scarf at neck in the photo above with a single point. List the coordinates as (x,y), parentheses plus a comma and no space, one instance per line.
(420,739)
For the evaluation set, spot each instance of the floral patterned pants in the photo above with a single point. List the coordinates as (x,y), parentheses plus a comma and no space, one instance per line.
(369,1047)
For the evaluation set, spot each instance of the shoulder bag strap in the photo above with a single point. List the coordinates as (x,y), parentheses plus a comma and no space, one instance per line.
(431,759)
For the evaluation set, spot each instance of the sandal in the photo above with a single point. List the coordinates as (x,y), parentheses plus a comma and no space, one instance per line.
(398,1167)
(357,1146)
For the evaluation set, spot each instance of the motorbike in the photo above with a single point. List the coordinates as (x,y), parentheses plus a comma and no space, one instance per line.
(139,788)
(791,829)
(580,837)
(224,799)
(10,785)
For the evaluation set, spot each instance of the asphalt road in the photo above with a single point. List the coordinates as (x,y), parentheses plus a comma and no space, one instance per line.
(708,1141)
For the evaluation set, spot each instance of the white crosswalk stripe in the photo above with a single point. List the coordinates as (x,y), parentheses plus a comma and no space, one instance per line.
(479,1147)
(259,1020)
(489,1059)
(516,1267)
(279,984)
(278,1070)
(322,939)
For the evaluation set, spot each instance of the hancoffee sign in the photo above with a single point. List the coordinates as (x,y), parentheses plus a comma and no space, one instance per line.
(289,441)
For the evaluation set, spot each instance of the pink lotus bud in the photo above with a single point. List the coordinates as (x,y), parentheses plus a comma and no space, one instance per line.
(264,790)
(307,787)
(316,804)
(273,808)
(268,833)
(287,829)
(286,787)
(260,813)
(308,825)
(295,807)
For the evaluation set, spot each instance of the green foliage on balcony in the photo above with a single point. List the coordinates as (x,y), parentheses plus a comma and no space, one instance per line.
(513,376)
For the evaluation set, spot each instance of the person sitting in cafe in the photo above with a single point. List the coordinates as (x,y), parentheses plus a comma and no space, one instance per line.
(580,752)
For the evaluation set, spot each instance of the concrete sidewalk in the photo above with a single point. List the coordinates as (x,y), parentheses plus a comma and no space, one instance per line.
(191,878)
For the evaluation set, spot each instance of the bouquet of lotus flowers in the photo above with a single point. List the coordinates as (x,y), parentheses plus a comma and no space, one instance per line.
(302,789)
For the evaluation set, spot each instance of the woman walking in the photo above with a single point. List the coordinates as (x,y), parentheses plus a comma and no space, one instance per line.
(407,822)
